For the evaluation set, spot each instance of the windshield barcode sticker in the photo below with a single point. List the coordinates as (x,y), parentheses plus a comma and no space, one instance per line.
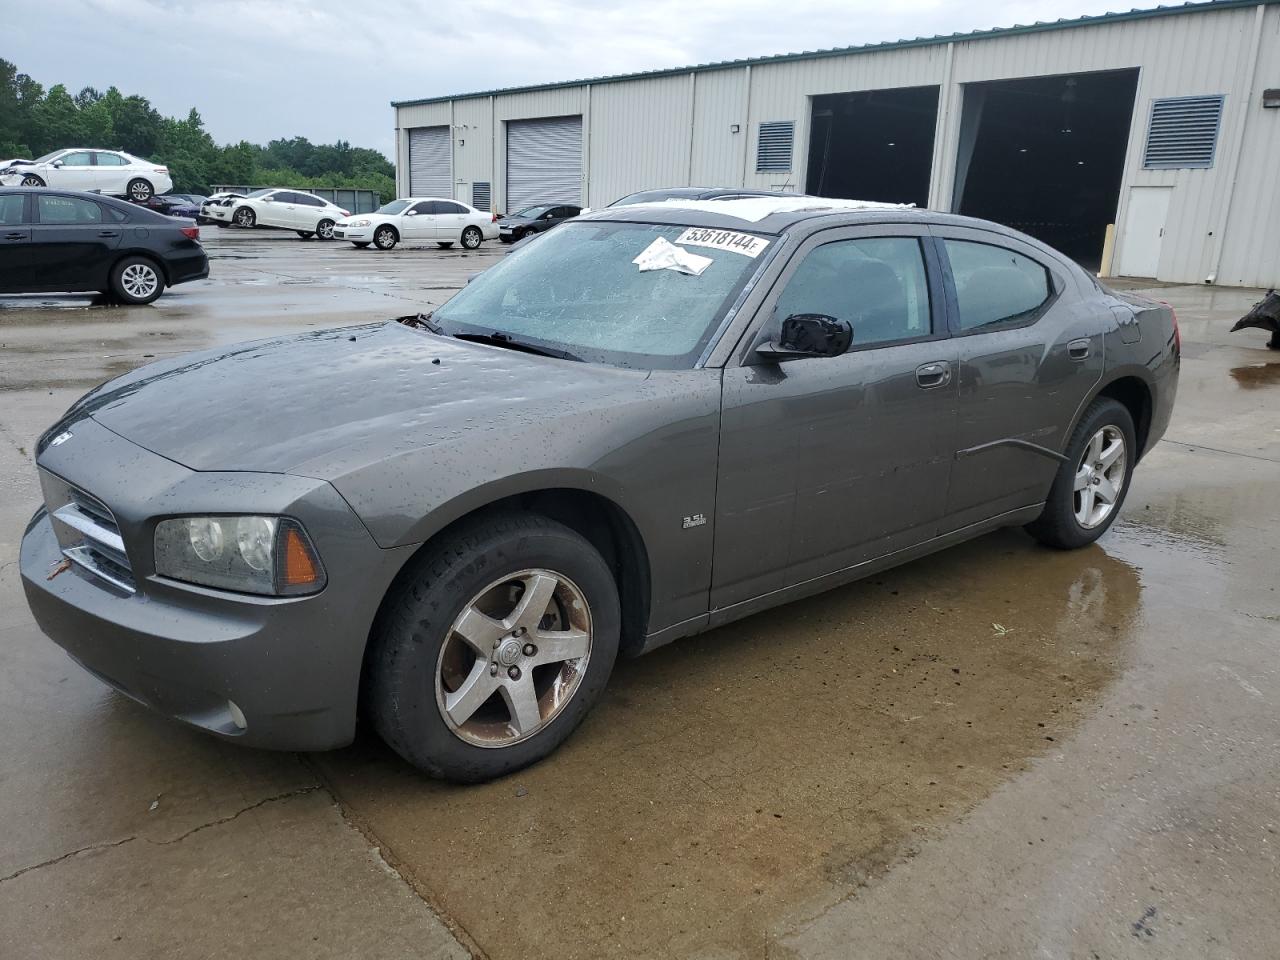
(743,243)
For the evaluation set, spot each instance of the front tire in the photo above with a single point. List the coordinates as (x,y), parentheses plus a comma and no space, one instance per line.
(384,238)
(1091,484)
(31,180)
(324,229)
(136,281)
(244,217)
(472,238)
(304,234)
(492,647)
(139,190)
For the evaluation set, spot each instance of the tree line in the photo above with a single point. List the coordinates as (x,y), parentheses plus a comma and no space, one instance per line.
(35,121)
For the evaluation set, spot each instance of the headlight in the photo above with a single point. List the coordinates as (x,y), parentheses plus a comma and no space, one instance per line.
(359,223)
(272,556)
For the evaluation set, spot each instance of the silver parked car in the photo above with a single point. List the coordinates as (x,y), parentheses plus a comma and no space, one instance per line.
(655,420)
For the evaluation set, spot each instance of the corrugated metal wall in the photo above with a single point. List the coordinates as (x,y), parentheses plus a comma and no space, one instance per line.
(678,129)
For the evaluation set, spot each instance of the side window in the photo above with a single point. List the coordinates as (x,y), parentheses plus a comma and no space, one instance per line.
(447,207)
(118,216)
(11,210)
(995,285)
(81,159)
(879,285)
(111,160)
(309,201)
(285,196)
(67,210)
(423,208)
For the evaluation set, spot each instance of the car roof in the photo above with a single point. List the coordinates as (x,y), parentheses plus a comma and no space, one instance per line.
(115,202)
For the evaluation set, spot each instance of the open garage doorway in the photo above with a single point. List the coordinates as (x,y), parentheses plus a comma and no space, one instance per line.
(1045,155)
(873,145)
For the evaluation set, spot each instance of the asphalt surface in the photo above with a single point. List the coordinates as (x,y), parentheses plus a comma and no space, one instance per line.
(999,751)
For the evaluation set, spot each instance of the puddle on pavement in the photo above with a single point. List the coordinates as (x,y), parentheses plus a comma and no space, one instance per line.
(783,760)
(1256,375)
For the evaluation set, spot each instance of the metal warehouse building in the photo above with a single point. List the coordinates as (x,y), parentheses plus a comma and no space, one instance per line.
(1163,122)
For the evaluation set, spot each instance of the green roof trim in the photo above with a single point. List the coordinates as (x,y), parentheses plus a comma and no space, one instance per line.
(1203,6)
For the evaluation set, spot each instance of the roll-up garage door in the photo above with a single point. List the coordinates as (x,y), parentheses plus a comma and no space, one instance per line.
(544,161)
(429,174)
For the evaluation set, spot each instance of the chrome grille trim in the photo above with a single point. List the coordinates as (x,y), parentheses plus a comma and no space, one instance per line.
(102,567)
(90,527)
(88,534)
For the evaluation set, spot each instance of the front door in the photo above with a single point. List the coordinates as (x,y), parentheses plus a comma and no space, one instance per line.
(1028,358)
(74,172)
(826,462)
(418,222)
(15,243)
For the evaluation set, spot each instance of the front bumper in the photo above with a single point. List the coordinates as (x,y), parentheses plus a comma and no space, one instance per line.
(354,234)
(290,666)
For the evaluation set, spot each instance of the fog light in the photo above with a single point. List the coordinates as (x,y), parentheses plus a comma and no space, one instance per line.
(237,716)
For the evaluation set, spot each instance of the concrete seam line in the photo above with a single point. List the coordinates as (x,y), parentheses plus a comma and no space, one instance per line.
(402,870)
(1194,447)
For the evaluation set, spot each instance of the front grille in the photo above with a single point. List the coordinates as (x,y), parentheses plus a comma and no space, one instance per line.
(88,533)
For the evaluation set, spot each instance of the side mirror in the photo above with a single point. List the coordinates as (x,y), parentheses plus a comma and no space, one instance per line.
(411,213)
(56,164)
(809,335)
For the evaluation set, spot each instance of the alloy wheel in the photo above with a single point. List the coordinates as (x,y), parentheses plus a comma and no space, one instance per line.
(32,182)
(324,230)
(513,658)
(139,281)
(1100,477)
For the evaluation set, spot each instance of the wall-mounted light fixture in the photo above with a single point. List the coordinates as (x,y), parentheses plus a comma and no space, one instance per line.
(1271,99)
(734,128)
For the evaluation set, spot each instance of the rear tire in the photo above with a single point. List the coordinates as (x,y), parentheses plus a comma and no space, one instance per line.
(139,190)
(136,281)
(472,238)
(1089,488)
(385,237)
(244,217)
(420,659)
(31,180)
(324,229)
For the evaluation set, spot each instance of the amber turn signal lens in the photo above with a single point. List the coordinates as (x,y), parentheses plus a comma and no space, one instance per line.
(299,568)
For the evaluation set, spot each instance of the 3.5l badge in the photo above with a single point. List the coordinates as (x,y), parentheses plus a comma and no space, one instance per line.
(697,520)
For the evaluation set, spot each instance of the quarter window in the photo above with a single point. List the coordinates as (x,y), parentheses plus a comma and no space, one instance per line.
(878,285)
(62,210)
(995,285)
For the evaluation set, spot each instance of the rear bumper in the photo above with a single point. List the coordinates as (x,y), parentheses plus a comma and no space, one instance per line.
(281,673)
(185,269)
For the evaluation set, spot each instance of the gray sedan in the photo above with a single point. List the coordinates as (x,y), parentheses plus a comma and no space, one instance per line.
(656,420)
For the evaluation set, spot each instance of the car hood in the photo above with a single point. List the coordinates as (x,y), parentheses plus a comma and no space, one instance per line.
(322,403)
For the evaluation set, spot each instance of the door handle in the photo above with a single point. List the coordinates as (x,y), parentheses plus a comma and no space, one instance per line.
(15,236)
(936,374)
(1078,349)
(108,233)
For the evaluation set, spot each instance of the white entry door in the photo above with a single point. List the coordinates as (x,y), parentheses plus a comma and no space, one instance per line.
(1143,234)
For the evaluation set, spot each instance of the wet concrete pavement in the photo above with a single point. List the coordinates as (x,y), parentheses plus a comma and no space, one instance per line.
(998,751)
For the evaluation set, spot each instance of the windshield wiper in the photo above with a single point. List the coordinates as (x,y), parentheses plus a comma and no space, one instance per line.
(422,321)
(498,339)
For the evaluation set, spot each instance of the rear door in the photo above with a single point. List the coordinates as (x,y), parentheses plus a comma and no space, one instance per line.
(826,462)
(1030,351)
(15,242)
(451,217)
(111,172)
(73,242)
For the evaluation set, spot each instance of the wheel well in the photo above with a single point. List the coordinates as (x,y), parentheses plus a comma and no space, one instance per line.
(1136,397)
(601,522)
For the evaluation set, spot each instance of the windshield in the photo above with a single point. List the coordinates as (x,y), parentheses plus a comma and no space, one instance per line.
(259,193)
(49,156)
(578,289)
(529,213)
(395,206)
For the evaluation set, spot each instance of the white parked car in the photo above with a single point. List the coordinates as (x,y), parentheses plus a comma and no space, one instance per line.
(296,210)
(419,218)
(112,172)
(218,207)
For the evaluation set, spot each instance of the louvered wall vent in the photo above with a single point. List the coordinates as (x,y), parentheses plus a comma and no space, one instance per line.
(773,149)
(480,195)
(1183,132)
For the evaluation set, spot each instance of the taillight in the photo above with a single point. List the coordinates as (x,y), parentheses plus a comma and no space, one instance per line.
(345,213)
(191,233)
(493,218)
(1177,333)
(162,169)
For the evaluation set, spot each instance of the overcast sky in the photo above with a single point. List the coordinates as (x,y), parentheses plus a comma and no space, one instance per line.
(327,69)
